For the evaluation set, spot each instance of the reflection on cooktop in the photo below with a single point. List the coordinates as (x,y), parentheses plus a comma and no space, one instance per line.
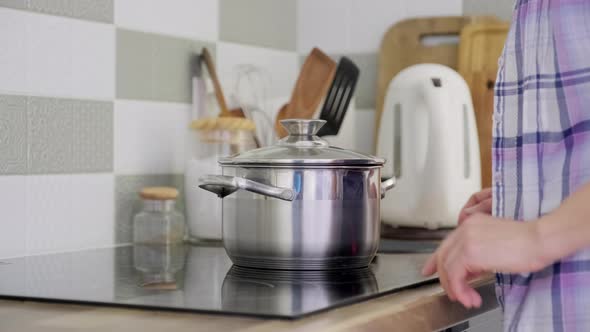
(199,279)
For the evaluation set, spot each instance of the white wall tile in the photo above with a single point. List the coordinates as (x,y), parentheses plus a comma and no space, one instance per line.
(150,137)
(416,8)
(48,55)
(12,222)
(281,66)
(183,18)
(12,54)
(325,24)
(69,58)
(371,19)
(93,61)
(69,212)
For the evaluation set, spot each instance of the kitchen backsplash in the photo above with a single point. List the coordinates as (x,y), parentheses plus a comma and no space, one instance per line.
(95,96)
(501,8)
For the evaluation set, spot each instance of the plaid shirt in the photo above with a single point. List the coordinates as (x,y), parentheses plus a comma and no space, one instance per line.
(541,153)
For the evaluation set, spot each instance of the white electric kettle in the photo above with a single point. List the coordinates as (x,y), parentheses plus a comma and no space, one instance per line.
(428,134)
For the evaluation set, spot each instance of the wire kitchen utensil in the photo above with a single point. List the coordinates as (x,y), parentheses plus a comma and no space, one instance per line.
(251,91)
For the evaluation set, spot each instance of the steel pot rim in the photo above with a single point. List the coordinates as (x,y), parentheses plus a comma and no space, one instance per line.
(307,165)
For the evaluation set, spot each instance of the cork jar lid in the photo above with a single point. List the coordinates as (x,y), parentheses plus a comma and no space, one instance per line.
(223,123)
(159,193)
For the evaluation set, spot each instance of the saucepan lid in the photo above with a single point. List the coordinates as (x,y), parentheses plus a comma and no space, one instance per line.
(303,147)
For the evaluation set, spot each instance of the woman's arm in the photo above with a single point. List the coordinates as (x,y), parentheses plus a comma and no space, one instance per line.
(566,230)
(484,243)
(480,202)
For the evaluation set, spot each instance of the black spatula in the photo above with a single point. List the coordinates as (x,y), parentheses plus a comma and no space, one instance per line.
(339,96)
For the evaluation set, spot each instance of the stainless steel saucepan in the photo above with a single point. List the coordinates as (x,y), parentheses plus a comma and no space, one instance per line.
(301,204)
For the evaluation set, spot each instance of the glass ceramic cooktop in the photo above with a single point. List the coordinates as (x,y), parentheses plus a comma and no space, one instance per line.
(199,279)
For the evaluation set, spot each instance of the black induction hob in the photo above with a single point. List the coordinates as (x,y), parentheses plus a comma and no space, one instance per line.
(199,279)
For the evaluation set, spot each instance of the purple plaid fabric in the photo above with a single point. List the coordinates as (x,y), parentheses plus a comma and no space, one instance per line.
(541,153)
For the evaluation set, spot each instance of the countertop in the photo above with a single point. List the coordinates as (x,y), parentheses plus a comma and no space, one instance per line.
(425,308)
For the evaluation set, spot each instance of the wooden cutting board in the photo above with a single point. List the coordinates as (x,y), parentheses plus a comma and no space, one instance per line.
(481,45)
(482,92)
(403,46)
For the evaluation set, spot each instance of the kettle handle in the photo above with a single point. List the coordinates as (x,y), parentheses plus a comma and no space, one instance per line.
(224,185)
(386,185)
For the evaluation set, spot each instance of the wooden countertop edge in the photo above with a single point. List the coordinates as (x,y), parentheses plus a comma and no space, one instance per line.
(421,309)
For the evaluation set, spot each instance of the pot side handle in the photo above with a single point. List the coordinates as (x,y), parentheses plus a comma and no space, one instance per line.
(224,185)
(386,185)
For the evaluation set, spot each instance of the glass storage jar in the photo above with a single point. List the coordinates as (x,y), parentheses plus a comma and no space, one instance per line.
(159,223)
(160,266)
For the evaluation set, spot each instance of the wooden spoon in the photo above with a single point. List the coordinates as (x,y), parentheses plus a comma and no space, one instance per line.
(281,115)
(312,84)
(236,113)
(213,73)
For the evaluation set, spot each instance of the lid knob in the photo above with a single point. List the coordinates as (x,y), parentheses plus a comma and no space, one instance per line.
(302,126)
(303,133)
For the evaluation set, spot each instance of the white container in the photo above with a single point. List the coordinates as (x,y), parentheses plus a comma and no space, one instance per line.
(203,148)
(203,210)
(429,136)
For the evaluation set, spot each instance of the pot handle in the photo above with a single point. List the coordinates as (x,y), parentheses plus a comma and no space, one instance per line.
(224,185)
(387,185)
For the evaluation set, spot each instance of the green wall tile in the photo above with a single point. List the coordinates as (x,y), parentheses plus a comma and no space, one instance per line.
(13,135)
(172,67)
(128,202)
(50,133)
(267,23)
(134,65)
(69,136)
(155,67)
(92,136)
(92,10)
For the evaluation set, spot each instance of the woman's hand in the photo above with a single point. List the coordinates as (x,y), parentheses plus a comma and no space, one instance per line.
(484,243)
(480,202)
